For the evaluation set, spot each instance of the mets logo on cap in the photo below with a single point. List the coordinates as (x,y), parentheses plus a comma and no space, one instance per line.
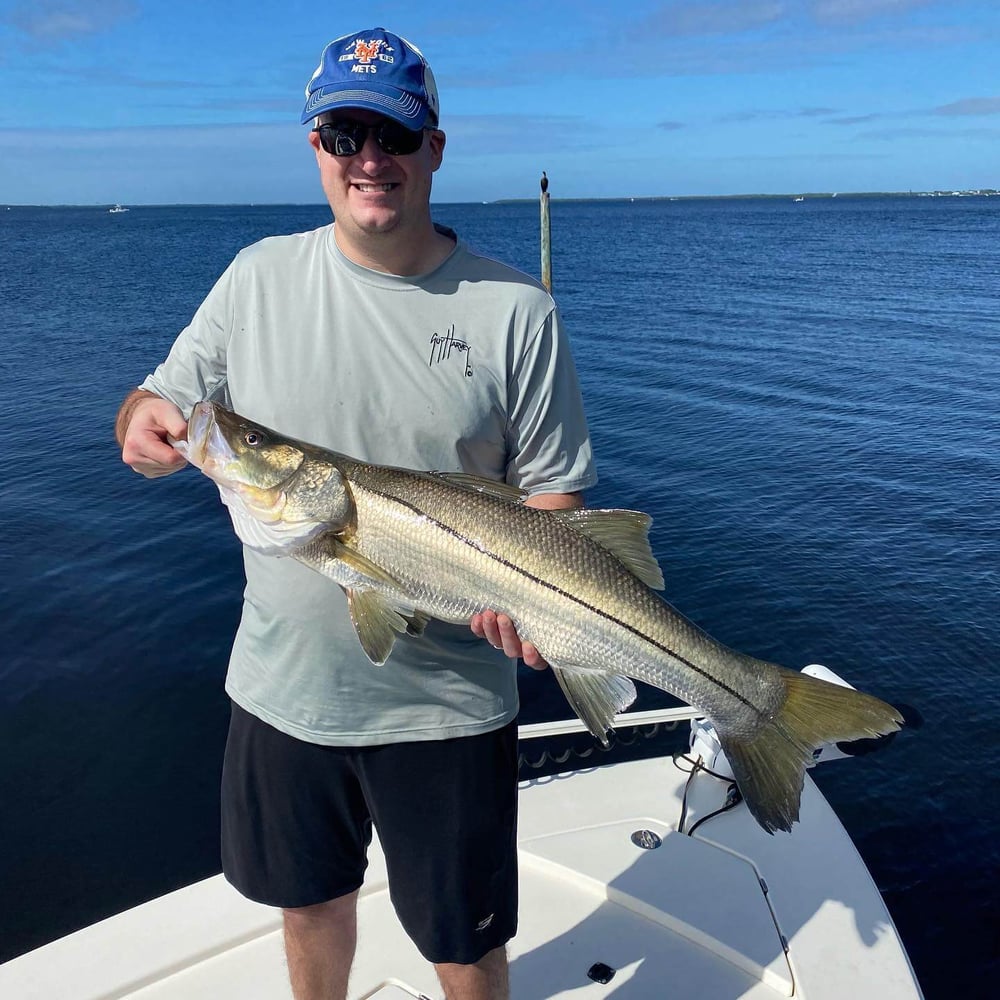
(366,54)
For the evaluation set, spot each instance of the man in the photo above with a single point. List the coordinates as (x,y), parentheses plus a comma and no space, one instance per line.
(385,338)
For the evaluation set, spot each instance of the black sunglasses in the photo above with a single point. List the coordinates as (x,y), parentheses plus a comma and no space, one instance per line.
(347,138)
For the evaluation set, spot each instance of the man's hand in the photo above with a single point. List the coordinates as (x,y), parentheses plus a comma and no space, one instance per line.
(499,631)
(144,421)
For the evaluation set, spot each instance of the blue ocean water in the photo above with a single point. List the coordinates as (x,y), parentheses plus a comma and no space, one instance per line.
(803,395)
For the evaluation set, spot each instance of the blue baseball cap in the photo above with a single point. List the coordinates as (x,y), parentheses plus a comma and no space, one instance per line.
(378,71)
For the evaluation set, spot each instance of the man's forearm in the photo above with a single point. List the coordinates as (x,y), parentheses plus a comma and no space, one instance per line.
(127,409)
(555,501)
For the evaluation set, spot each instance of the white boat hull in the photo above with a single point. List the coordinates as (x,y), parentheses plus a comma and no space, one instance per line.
(689,918)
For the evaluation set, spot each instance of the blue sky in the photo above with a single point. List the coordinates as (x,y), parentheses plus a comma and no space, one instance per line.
(146,102)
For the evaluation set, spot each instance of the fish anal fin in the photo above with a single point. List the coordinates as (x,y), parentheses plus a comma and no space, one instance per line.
(624,533)
(595,696)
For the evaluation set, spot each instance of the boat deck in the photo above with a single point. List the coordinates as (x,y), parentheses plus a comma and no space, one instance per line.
(728,912)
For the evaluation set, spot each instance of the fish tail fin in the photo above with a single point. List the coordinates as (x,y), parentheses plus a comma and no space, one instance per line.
(769,764)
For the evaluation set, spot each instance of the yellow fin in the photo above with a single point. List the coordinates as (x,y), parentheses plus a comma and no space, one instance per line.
(356,561)
(416,620)
(624,533)
(375,622)
(770,762)
(502,491)
(595,696)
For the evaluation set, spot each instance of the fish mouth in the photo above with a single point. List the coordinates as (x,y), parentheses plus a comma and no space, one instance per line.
(207,448)
(199,427)
(257,512)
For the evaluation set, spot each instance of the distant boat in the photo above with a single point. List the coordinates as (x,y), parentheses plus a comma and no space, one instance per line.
(800,198)
(117,209)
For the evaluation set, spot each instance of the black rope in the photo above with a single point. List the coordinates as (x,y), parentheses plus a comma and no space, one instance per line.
(548,757)
(733,796)
(697,765)
(733,799)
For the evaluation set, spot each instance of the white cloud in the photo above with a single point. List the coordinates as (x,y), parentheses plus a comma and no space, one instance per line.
(971,106)
(717,17)
(852,11)
(60,20)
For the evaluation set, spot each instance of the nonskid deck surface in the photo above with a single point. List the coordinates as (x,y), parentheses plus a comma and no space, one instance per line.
(706,915)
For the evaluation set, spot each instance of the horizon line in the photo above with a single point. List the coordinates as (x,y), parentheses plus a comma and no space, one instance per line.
(938,192)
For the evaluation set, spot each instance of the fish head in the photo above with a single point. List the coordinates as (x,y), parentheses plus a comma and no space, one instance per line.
(281,493)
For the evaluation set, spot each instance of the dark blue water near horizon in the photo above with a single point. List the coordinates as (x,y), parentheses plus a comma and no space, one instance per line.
(803,395)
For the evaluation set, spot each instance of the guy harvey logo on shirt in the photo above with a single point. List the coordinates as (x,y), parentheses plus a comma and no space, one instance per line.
(442,349)
(367,53)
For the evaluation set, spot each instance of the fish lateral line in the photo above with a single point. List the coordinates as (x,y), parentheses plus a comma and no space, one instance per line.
(768,748)
(548,585)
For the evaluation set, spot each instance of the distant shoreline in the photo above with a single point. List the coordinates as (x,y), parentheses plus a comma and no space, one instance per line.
(791,196)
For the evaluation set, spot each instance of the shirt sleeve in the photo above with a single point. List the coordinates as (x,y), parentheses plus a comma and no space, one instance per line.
(548,441)
(195,368)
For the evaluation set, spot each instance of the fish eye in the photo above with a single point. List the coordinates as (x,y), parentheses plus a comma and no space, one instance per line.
(253,438)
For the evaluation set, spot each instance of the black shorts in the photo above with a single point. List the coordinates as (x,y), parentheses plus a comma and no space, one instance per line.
(297,820)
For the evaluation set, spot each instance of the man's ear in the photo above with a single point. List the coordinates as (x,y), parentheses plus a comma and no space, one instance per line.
(436,141)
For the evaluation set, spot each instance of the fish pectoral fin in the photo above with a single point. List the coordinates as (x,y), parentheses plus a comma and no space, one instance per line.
(595,696)
(503,491)
(357,562)
(624,533)
(376,623)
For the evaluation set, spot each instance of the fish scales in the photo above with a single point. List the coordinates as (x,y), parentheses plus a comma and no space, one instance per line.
(457,554)
(407,546)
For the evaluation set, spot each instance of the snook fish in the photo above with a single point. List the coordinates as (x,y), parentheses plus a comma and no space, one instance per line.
(579,584)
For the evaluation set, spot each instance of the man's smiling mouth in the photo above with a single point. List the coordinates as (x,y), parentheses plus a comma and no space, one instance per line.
(374,188)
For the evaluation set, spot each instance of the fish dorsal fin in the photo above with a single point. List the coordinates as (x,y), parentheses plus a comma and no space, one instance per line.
(503,491)
(376,623)
(625,533)
(595,696)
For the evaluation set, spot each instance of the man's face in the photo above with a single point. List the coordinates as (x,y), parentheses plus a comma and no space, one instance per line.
(373,192)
